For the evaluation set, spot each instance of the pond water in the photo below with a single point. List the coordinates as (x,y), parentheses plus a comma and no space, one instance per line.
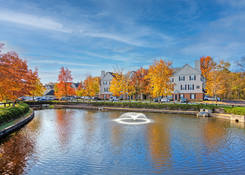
(71,141)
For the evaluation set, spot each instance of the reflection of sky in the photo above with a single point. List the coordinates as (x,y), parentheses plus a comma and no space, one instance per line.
(97,145)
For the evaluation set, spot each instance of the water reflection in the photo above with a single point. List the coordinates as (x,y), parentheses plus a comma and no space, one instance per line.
(89,142)
(18,148)
(214,134)
(116,131)
(63,124)
(159,142)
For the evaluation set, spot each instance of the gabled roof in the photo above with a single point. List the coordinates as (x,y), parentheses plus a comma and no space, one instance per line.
(49,92)
(185,68)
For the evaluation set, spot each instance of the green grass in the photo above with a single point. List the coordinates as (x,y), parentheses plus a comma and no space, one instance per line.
(11,113)
(235,110)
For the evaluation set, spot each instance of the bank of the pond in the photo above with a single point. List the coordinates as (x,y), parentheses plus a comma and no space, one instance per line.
(126,109)
(13,118)
(228,111)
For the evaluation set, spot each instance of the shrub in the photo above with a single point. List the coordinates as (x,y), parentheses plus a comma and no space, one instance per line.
(11,113)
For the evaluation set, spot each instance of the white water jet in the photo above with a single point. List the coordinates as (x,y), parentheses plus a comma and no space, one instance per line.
(133,118)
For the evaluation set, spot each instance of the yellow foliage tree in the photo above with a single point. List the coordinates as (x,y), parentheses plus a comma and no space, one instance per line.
(217,83)
(159,79)
(91,86)
(81,90)
(128,88)
(38,88)
(116,87)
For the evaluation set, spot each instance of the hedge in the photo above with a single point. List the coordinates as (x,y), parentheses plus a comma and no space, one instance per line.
(11,113)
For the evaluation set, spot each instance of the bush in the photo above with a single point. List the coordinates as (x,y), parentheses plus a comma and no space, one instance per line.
(235,110)
(11,113)
(194,107)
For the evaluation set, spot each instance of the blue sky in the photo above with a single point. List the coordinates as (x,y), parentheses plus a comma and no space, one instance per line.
(93,35)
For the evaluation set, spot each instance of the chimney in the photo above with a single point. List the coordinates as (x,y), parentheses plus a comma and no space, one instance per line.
(197,65)
(102,73)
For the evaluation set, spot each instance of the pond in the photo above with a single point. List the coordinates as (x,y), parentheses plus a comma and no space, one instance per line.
(72,141)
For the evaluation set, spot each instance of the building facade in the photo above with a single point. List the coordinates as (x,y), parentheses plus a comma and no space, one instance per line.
(188,83)
(105,82)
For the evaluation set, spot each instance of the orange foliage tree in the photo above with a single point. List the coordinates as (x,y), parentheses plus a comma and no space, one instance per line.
(207,65)
(63,88)
(159,79)
(16,79)
(140,82)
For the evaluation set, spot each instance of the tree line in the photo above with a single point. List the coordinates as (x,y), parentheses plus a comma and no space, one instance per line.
(17,79)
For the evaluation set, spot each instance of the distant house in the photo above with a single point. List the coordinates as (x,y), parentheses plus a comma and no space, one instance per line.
(49,93)
(188,82)
(105,81)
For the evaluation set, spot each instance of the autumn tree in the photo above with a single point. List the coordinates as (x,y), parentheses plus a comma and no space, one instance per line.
(159,79)
(116,87)
(38,88)
(217,80)
(80,91)
(128,88)
(206,65)
(16,79)
(64,88)
(91,86)
(140,82)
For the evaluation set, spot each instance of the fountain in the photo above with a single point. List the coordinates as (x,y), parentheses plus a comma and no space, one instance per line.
(133,118)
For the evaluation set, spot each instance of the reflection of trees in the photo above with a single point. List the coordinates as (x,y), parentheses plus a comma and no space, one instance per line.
(63,120)
(213,133)
(89,123)
(14,153)
(116,130)
(159,142)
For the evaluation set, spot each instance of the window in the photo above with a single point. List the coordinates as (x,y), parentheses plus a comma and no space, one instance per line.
(172,79)
(191,87)
(181,87)
(192,77)
(198,87)
(193,96)
(181,78)
(182,96)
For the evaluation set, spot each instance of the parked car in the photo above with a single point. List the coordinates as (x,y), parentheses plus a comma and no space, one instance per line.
(112,98)
(183,100)
(208,98)
(165,99)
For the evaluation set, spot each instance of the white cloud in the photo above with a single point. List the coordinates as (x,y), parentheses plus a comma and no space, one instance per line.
(32,20)
(60,63)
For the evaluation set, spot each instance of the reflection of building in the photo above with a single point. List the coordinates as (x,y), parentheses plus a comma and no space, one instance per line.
(105,81)
(189,82)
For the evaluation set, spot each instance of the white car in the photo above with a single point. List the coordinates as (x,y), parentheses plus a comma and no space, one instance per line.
(112,98)
(207,98)
(165,99)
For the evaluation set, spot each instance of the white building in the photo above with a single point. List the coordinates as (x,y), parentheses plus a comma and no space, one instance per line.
(105,81)
(189,82)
